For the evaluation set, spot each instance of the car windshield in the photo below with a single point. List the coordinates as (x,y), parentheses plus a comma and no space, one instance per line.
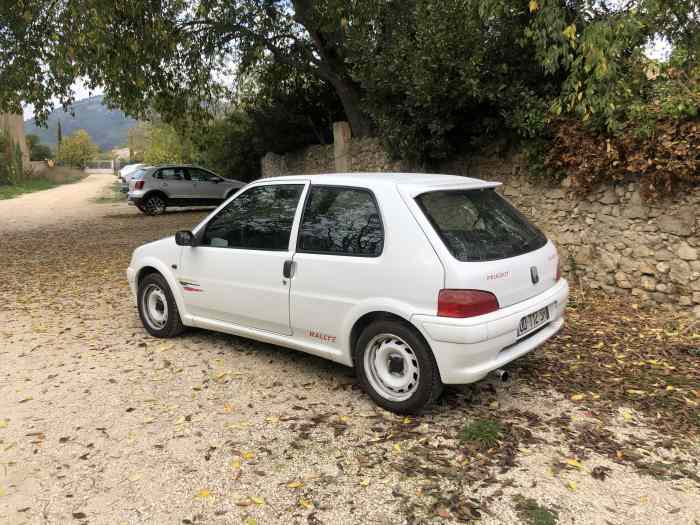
(479,225)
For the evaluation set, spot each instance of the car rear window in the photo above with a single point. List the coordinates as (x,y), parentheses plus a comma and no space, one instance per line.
(138,174)
(479,225)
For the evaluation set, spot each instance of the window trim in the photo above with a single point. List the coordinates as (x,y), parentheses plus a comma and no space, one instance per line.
(202,230)
(299,249)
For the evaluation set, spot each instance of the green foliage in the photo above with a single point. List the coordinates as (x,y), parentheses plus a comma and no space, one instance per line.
(430,77)
(484,432)
(11,166)
(163,144)
(77,149)
(37,151)
(446,75)
(532,513)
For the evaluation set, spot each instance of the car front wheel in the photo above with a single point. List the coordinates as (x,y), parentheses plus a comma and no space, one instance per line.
(157,307)
(397,368)
(154,205)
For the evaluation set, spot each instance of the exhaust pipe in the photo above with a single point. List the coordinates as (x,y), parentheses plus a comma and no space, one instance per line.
(502,375)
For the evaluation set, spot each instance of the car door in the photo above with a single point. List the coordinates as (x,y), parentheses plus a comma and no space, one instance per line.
(207,185)
(337,263)
(174,182)
(236,273)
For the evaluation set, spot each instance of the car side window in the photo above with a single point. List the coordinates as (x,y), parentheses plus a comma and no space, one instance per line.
(198,175)
(171,174)
(341,221)
(259,219)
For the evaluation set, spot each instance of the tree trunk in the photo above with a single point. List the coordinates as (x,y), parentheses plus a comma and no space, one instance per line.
(350,98)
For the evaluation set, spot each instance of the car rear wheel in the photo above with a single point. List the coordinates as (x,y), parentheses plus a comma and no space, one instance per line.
(396,367)
(157,307)
(154,205)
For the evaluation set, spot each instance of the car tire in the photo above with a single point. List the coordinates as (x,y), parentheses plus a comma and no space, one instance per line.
(396,367)
(155,205)
(157,307)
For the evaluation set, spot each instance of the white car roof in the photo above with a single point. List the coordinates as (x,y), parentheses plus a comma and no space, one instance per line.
(411,183)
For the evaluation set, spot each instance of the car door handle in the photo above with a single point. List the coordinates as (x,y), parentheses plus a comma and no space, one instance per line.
(287,269)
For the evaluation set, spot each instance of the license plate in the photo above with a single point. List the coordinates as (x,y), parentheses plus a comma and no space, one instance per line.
(533,320)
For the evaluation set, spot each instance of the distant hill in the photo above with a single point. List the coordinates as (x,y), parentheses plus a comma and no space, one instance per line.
(108,128)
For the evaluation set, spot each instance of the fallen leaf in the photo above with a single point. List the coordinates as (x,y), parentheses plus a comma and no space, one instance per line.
(307,504)
(248,455)
(574,463)
(257,500)
(4,423)
(571,485)
(236,464)
(295,484)
(204,493)
(578,397)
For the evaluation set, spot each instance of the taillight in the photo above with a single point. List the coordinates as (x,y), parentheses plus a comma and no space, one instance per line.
(466,303)
(138,185)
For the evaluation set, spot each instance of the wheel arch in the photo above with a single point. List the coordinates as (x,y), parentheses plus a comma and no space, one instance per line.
(379,315)
(151,266)
(151,193)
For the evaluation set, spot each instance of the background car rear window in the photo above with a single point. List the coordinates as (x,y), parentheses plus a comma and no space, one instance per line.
(259,219)
(341,221)
(479,225)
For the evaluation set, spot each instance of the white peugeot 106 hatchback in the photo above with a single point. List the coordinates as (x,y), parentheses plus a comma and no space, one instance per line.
(415,280)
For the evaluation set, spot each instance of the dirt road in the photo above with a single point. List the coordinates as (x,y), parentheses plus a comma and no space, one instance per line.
(100,423)
(68,203)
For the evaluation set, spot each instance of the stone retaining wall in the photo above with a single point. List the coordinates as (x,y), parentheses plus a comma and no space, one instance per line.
(609,239)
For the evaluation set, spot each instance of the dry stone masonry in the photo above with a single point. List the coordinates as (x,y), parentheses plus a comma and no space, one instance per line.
(609,239)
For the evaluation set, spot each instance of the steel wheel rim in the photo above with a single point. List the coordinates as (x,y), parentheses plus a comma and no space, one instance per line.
(155,205)
(391,367)
(155,306)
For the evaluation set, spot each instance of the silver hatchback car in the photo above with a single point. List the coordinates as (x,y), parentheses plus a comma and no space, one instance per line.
(152,189)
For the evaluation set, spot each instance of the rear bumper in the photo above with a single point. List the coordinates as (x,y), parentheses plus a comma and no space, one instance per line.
(466,350)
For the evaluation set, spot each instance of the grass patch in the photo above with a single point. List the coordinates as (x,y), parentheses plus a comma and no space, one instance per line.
(533,513)
(8,191)
(485,432)
(113,194)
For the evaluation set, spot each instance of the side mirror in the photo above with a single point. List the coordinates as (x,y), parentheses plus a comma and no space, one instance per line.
(185,238)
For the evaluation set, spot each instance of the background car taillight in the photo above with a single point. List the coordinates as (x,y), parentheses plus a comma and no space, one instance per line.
(465,303)
(138,185)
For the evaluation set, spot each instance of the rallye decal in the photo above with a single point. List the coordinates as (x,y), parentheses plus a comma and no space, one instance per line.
(323,337)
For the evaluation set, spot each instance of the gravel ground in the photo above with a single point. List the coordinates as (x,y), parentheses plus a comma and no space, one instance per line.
(100,423)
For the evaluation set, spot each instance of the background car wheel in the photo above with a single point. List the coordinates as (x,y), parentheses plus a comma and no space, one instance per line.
(154,205)
(157,307)
(396,367)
